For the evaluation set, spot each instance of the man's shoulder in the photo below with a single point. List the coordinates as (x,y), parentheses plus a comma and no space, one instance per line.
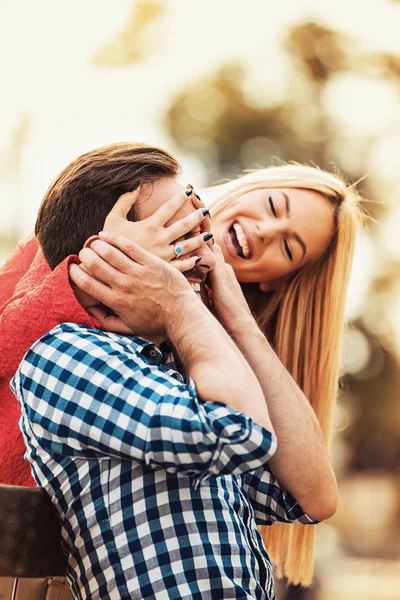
(73,333)
(80,343)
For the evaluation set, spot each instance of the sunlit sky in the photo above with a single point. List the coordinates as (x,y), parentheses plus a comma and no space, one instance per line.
(46,48)
(70,106)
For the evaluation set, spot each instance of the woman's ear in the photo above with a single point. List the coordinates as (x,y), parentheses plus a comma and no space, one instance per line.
(266,286)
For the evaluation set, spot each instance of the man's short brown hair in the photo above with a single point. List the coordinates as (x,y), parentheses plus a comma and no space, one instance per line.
(79,199)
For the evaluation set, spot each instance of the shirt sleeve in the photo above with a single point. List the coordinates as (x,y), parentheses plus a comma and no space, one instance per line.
(88,398)
(271,502)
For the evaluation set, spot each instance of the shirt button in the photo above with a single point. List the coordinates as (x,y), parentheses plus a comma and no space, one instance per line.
(178,376)
(152,354)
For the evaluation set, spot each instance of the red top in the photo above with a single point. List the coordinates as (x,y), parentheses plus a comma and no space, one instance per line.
(16,267)
(33,300)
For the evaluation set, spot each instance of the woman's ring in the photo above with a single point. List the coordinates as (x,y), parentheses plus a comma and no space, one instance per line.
(178,250)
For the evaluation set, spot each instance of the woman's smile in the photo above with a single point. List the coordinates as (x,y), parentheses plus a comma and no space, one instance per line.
(238,241)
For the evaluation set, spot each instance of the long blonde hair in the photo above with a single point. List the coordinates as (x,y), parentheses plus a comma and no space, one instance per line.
(304,322)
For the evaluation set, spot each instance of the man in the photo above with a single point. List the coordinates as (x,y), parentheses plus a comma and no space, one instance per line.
(157,480)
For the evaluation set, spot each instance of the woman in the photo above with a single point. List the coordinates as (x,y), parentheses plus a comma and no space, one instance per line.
(298,299)
(294,274)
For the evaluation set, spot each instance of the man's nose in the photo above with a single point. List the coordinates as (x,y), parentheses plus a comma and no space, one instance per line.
(208,261)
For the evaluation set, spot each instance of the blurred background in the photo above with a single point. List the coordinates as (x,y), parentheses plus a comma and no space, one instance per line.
(228,86)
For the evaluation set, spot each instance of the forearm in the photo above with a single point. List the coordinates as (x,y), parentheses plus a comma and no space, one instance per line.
(217,366)
(301,463)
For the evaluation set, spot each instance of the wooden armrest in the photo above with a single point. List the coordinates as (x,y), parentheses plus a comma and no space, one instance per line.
(30,537)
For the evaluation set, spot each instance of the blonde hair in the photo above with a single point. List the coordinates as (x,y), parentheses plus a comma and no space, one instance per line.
(304,321)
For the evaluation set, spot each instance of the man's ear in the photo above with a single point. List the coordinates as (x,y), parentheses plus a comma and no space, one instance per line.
(266,286)
(90,240)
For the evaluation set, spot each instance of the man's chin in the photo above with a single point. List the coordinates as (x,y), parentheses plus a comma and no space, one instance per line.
(197,278)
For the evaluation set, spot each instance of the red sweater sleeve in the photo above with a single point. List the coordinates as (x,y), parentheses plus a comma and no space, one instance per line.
(16,266)
(40,302)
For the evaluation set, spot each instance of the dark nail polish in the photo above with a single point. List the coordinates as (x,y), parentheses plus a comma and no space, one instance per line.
(198,198)
(188,192)
(135,187)
(205,212)
(189,185)
(207,237)
(196,262)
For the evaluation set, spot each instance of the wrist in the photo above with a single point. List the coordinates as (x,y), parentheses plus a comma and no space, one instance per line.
(185,316)
(243,326)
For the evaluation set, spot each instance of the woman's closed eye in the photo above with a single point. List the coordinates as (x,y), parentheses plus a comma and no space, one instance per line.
(272,205)
(287,250)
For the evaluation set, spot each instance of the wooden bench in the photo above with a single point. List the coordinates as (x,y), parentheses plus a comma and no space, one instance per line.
(29,534)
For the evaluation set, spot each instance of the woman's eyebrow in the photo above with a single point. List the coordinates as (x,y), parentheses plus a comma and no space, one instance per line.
(287,204)
(295,235)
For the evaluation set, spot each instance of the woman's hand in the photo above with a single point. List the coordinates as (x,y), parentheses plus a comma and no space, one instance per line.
(229,304)
(144,292)
(152,234)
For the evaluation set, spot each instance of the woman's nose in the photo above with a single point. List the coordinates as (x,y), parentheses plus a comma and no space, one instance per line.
(266,231)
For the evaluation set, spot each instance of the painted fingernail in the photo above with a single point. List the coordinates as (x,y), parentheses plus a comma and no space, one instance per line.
(188,192)
(135,187)
(205,212)
(207,237)
(198,198)
(196,262)
(189,185)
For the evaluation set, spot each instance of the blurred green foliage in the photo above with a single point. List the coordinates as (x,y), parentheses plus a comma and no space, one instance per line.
(215,119)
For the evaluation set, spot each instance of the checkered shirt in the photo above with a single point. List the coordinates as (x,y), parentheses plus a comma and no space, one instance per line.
(159,494)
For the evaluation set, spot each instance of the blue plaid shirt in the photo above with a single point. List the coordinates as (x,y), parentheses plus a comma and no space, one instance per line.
(159,494)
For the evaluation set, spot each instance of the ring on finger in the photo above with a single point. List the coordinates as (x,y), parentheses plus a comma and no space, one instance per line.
(178,250)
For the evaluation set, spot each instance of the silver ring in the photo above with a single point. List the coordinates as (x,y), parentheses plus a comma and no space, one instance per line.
(178,250)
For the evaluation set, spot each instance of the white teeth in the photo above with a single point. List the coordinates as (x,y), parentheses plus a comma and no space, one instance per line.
(195,286)
(241,238)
